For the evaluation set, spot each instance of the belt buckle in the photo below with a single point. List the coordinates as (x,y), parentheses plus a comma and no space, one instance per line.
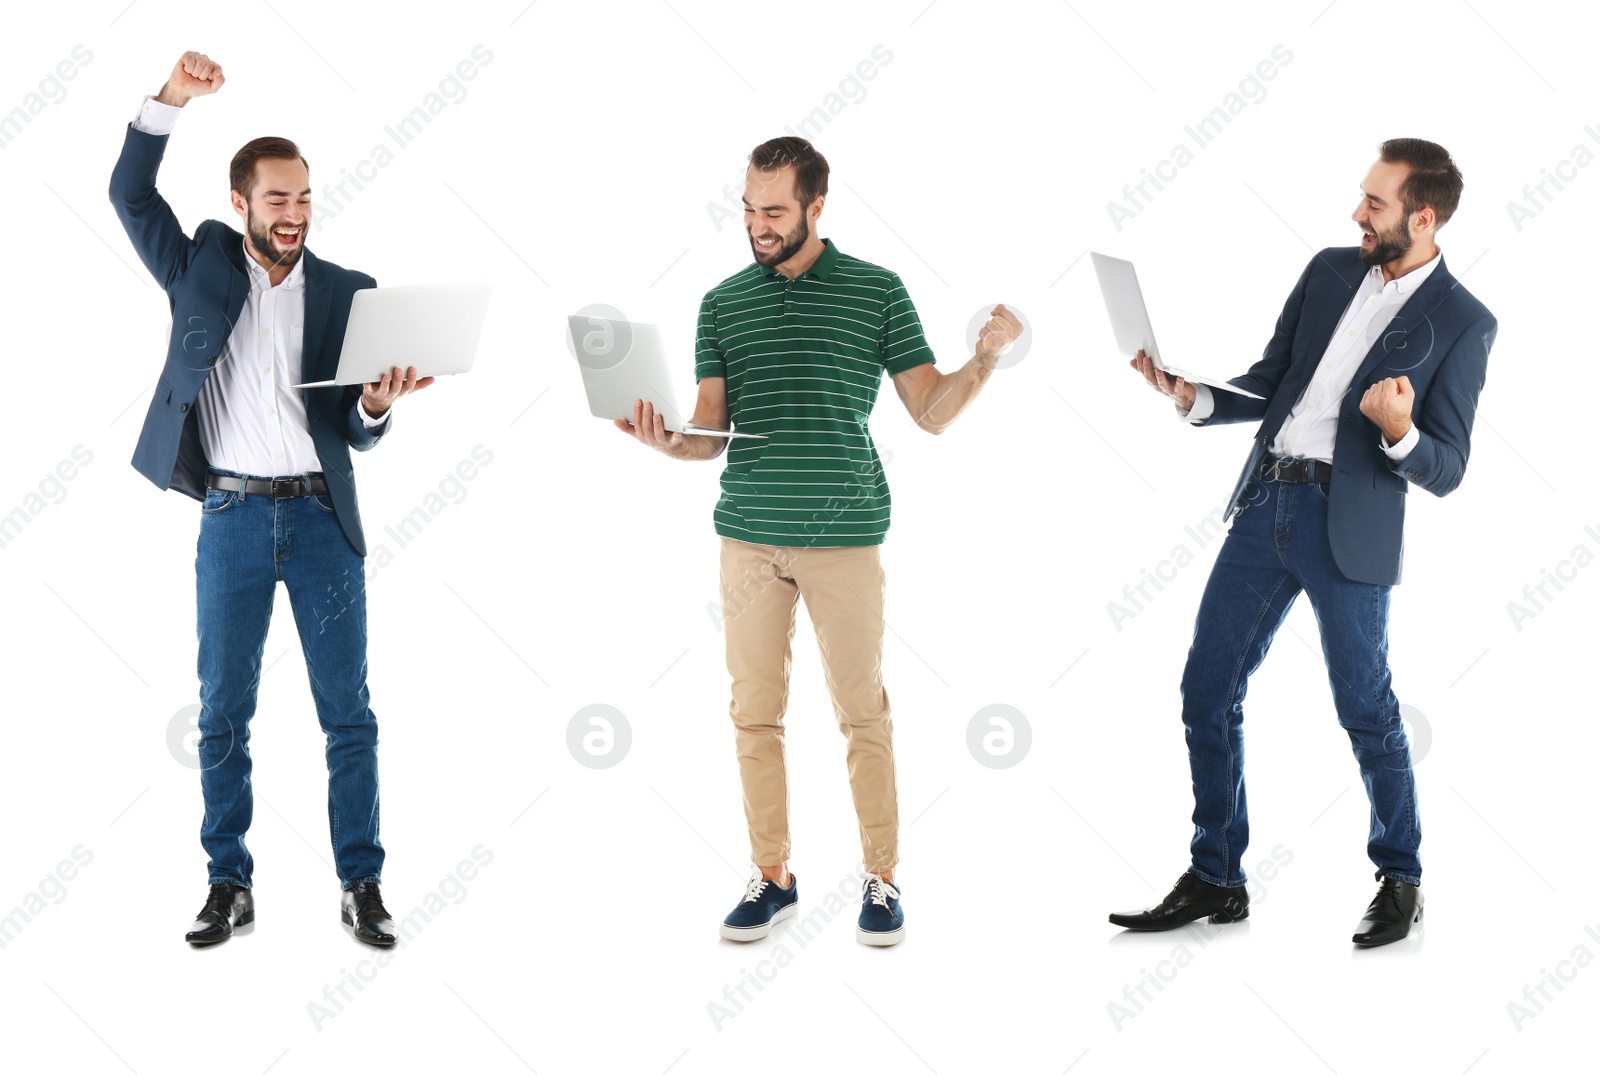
(282,487)
(1269,469)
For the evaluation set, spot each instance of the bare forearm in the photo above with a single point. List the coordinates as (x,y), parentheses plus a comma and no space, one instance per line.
(698,447)
(952,393)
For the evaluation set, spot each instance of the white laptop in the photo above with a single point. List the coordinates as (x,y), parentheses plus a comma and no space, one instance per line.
(623,361)
(1130,321)
(434,327)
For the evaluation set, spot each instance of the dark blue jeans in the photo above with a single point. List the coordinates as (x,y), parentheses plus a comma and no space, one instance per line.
(1275,549)
(248,544)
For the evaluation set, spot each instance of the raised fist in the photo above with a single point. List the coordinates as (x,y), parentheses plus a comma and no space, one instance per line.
(194,75)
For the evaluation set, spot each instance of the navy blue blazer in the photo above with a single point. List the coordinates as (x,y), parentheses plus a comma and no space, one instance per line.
(206,284)
(1440,339)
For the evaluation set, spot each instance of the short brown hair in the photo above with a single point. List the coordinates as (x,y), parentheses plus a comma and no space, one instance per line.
(810,167)
(1434,179)
(242,170)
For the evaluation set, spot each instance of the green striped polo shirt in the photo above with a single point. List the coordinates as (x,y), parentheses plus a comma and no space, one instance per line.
(803,359)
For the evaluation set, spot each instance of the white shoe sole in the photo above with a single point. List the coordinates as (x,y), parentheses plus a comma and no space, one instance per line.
(755,933)
(881,940)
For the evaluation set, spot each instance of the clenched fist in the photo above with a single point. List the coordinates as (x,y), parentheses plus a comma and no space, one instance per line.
(1388,404)
(194,75)
(997,334)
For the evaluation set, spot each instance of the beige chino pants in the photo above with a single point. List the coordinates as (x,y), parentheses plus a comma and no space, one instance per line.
(843,591)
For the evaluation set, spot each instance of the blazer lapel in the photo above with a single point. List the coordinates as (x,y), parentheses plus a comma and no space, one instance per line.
(238,286)
(1414,317)
(314,365)
(1340,292)
(1338,302)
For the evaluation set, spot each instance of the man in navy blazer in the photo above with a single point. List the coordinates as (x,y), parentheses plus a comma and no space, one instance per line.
(1369,385)
(253,315)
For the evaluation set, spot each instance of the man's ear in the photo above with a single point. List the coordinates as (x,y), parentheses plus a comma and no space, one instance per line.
(239,203)
(816,208)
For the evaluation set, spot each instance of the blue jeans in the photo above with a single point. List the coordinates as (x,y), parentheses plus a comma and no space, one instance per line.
(1275,549)
(248,544)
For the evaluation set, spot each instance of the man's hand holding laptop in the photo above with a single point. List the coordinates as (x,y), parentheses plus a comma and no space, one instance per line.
(377,396)
(649,429)
(1174,388)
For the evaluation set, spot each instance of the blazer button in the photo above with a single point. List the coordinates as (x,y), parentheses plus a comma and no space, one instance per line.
(182,407)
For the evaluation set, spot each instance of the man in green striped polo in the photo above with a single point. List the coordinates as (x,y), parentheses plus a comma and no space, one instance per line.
(794,347)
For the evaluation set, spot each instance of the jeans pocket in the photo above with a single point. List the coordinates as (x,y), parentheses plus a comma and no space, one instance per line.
(321,500)
(1322,487)
(218,500)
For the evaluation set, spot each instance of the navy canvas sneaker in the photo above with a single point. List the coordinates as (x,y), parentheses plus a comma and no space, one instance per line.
(881,922)
(764,906)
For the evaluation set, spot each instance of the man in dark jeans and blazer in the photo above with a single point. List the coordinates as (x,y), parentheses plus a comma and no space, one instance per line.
(253,315)
(1370,384)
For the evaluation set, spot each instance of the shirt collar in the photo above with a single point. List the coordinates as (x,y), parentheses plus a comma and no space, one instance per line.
(824,264)
(1412,280)
(258,275)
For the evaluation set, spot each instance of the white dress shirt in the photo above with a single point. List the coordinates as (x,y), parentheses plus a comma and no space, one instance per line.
(251,420)
(1313,423)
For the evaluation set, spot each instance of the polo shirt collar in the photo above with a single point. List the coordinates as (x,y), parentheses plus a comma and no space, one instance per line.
(823,267)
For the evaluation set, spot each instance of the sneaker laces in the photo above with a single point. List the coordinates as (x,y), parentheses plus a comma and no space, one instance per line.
(880,890)
(756,886)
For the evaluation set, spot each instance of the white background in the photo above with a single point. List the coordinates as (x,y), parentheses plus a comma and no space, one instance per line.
(577,568)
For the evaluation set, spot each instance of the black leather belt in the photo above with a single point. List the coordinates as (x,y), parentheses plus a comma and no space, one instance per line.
(273,487)
(1304,471)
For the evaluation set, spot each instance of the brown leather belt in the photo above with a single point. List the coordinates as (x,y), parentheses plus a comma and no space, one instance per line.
(273,487)
(1304,471)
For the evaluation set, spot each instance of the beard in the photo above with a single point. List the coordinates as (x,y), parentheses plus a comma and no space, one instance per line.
(787,248)
(261,239)
(1390,245)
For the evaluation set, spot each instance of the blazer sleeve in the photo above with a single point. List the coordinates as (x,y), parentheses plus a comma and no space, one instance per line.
(152,227)
(1444,422)
(360,437)
(1264,377)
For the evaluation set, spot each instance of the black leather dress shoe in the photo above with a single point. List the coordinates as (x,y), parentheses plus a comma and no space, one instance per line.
(1390,915)
(227,906)
(1190,898)
(362,908)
